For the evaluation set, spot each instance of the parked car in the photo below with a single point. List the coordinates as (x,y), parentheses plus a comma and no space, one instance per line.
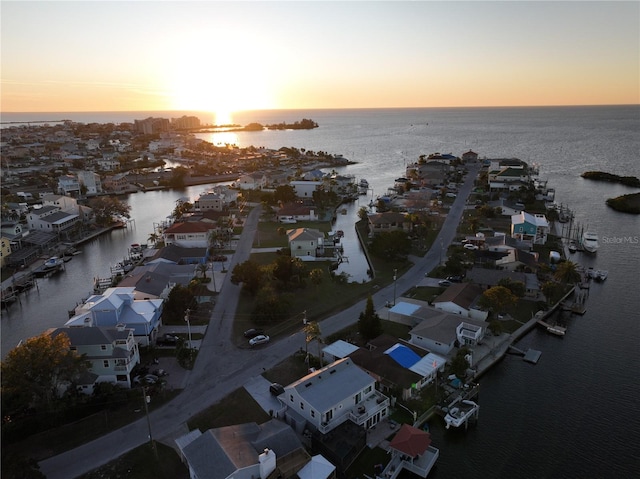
(276,389)
(167,339)
(455,279)
(253,332)
(444,282)
(470,246)
(259,339)
(146,379)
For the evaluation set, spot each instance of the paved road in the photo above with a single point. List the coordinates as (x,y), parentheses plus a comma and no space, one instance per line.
(221,367)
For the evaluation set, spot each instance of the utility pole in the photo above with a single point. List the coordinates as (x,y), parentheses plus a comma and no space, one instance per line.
(395,277)
(146,399)
(186,318)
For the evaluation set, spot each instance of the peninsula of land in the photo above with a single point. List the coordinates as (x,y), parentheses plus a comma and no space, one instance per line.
(611,178)
(626,203)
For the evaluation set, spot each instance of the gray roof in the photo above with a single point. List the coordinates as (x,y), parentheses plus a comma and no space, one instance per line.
(441,327)
(153,278)
(220,452)
(328,386)
(91,335)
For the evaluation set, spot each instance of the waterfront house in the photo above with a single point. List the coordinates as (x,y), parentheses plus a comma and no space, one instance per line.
(397,365)
(410,449)
(305,242)
(69,185)
(530,228)
(250,450)
(461,299)
(305,189)
(118,306)
(388,221)
(91,181)
(179,255)
(469,156)
(5,250)
(51,219)
(488,278)
(112,353)
(209,201)
(252,181)
(296,212)
(189,234)
(327,397)
(117,183)
(156,280)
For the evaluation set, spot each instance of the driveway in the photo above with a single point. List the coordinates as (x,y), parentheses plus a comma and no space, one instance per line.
(258,387)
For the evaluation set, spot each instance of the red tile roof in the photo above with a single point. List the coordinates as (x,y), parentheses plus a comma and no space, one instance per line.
(411,441)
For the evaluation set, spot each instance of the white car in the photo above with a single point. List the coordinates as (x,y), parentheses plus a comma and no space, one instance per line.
(470,246)
(259,339)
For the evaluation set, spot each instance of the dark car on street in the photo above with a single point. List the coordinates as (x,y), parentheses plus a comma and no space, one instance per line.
(276,389)
(253,332)
(167,340)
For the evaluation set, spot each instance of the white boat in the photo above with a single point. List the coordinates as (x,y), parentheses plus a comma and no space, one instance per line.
(363,186)
(557,330)
(600,275)
(53,262)
(460,412)
(590,241)
(573,247)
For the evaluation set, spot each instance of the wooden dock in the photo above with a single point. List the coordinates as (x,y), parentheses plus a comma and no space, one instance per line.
(530,355)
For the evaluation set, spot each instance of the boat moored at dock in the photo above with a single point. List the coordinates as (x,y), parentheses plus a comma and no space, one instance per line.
(590,241)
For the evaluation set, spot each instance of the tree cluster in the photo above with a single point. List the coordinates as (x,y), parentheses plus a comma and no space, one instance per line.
(392,245)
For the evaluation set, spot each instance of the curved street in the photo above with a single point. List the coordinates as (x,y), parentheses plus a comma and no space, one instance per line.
(221,367)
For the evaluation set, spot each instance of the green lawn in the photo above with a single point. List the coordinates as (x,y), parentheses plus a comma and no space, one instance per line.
(236,408)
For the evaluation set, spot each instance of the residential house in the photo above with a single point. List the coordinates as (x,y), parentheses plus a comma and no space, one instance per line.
(292,212)
(388,221)
(116,183)
(530,228)
(461,299)
(305,189)
(305,242)
(488,278)
(68,185)
(108,162)
(435,330)
(271,449)
(337,350)
(64,203)
(156,280)
(517,259)
(5,250)
(410,449)
(91,182)
(178,255)
(112,353)
(327,397)
(252,181)
(317,468)
(51,219)
(427,173)
(469,156)
(209,201)
(398,365)
(119,306)
(189,234)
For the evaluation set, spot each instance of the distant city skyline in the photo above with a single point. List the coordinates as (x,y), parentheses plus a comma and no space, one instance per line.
(229,56)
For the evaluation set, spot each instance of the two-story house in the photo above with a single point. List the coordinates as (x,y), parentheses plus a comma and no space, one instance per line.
(252,181)
(51,219)
(112,354)
(530,228)
(69,185)
(189,234)
(328,397)
(292,212)
(119,306)
(209,201)
(388,221)
(304,242)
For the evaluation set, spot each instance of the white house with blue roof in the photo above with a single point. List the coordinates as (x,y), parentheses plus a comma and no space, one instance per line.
(119,306)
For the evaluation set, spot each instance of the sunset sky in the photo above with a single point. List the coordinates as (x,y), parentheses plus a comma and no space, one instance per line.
(226,56)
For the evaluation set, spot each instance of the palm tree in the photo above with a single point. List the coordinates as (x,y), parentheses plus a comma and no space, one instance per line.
(153,238)
(312,333)
(567,272)
(202,268)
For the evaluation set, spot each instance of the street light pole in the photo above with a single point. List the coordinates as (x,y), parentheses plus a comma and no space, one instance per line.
(146,399)
(395,277)
(186,318)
